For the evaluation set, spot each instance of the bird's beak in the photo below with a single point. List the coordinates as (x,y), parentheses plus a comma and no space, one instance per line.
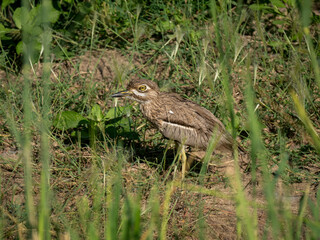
(121,94)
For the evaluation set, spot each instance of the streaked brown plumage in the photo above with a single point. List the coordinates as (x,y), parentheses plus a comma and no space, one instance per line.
(177,118)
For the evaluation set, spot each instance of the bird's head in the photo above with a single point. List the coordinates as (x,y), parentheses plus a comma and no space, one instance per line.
(139,90)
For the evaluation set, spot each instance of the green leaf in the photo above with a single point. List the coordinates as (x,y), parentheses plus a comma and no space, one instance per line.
(5,3)
(276,44)
(260,7)
(305,9)
(167,25)
(17,16)
(68,120)
(35,31)
(117,124)
(278,3)
(124,124)
(112,121)
(19,47)
(118,111)
(33,18)
(3,31)
(96,113)
(52,13)
(112,113)
(279,22)
(34,15)
(291,3)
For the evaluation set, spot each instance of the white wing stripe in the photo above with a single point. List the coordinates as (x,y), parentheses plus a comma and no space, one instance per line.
(183,134)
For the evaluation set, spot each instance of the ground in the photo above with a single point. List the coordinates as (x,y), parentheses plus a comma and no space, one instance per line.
(73,170)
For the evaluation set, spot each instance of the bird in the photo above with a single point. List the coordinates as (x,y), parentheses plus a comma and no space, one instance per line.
(178,118)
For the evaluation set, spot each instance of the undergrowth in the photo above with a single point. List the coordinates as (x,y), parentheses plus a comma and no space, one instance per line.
(76,165)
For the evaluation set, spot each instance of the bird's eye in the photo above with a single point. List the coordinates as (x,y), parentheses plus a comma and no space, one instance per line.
(142,88)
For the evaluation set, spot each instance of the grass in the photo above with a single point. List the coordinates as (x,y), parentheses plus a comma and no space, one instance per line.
(254,66)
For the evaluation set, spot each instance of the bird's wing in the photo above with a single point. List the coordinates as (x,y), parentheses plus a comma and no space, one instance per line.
(181,111)
(187,122)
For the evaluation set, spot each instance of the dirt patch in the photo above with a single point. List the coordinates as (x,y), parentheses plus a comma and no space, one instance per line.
(109,65)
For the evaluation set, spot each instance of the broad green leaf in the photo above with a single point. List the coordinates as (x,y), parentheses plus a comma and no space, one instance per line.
(5,3)
(278,3)
(34,31)
(117,124)
(112,113)
(96,113)
(3,31)
(17,16)
(120,122)
(124,124)
(112,121)
(291,3)
(68,120)
(118,111)
(19,47)
(52,15)
(34,14)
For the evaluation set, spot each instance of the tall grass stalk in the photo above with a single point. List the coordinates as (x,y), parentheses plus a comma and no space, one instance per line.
(27,125)
(113,204)
(45,206)
(201,220)
(305,9)
(247,216)
(306,121)
(154,205)
(258,153)
(165,210)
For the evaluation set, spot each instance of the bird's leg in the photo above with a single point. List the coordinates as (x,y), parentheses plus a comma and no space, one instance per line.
(189,162)
(185,162)
(183,158)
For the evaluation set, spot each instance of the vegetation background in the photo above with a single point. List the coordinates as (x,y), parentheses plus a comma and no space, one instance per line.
(75,166)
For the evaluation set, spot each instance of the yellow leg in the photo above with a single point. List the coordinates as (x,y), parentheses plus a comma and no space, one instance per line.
(185,162)
(189,162)
(183,158)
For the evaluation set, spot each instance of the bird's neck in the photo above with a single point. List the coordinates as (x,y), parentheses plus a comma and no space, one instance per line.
(146,107)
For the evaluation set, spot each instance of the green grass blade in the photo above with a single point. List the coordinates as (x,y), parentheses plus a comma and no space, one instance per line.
(306,121)
(27,122)
(165,209)
(45,206)
(113,203)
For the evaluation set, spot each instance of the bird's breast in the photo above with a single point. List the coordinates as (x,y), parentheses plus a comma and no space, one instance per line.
(151,111)
(156,112)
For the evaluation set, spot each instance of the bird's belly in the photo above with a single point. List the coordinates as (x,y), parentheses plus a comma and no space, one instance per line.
(185,135)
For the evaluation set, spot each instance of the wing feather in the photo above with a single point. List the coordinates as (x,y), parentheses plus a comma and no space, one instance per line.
(187,122)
